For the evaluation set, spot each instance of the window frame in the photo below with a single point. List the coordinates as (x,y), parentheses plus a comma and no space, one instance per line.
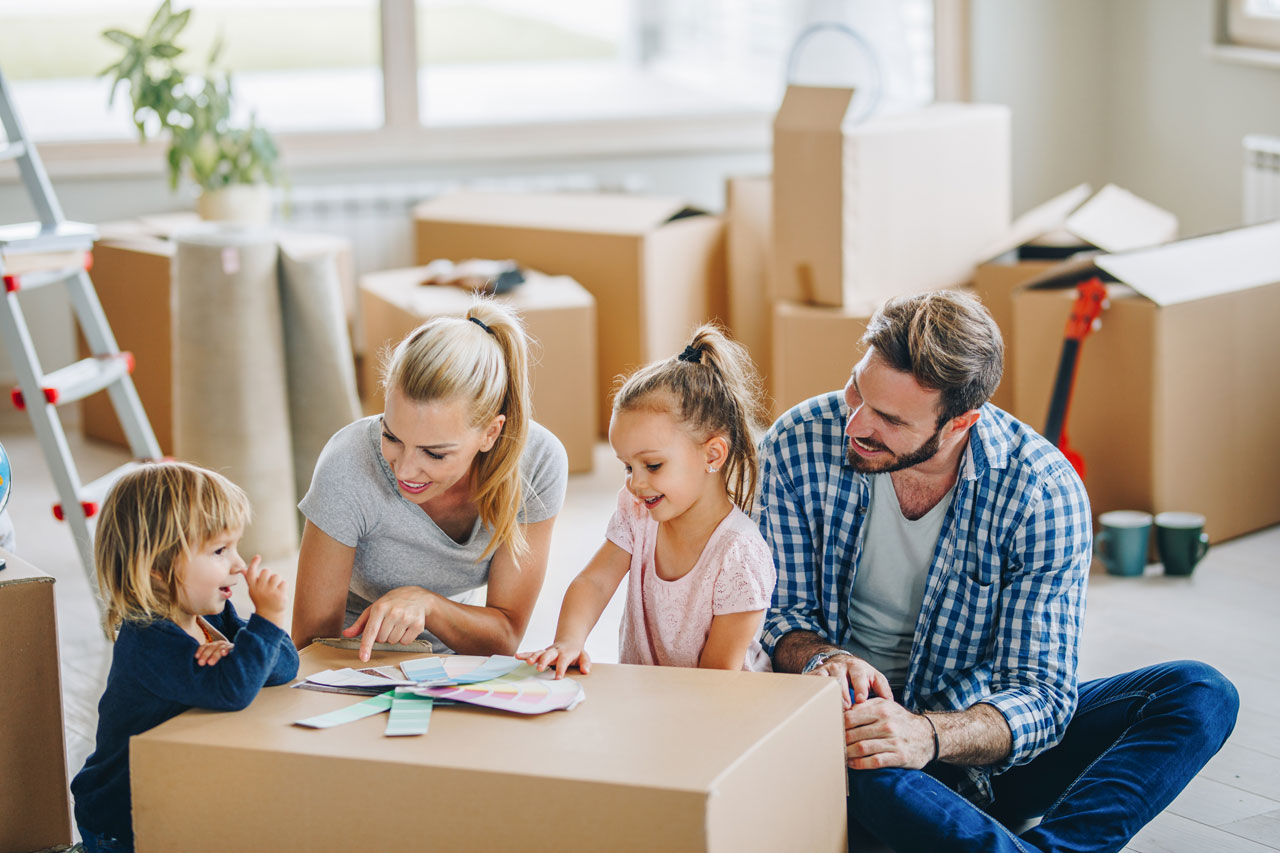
(403,140)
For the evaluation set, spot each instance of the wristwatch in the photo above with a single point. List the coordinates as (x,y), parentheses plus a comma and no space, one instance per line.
(820,658)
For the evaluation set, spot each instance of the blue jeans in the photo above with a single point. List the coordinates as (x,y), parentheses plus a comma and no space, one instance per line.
(1133,744)
(96,842)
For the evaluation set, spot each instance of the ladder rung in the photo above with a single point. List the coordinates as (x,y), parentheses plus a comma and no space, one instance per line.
(39,278)
(93,494)
(13,150)
(80,379)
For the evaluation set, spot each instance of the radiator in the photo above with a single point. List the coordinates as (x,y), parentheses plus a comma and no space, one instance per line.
(1261,178)
(378,217)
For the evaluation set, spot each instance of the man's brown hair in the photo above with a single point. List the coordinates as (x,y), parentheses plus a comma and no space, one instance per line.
(947,341)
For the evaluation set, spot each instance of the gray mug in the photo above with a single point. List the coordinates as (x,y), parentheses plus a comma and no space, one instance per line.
(1123,540)
(1181,541)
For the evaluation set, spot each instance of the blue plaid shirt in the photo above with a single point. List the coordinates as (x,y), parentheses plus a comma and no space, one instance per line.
(1004,599)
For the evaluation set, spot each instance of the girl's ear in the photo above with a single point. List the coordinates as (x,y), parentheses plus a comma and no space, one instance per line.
(717,451)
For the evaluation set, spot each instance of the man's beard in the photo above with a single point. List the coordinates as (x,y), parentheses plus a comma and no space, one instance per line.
(923,453)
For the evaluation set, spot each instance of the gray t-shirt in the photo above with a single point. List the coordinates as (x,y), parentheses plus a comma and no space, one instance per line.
(353,498)
(888,589)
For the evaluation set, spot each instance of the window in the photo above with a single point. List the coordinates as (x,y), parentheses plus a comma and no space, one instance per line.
(1254,23)
(393,78)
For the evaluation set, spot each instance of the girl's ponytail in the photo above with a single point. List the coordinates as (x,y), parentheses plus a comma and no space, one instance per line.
(716,390)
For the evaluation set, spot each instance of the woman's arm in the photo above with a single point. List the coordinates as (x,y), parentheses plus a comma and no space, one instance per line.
(584,601)
(729,638)
(494,629)
(324,575)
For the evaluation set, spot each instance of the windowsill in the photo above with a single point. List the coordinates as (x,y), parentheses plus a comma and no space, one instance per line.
(728,132)
(1235,54)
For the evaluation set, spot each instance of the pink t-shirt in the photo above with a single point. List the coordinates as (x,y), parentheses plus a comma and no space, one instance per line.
(667,622)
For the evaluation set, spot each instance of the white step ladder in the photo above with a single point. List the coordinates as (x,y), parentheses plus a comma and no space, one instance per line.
(51,252)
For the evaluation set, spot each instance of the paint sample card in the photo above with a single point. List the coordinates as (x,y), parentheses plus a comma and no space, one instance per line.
(523,691)
(458,669)
(349,714)
(410,714)
(368,678)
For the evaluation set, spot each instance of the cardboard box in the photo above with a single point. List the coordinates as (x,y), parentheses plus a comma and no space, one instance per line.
(748,214)
(35,812)
(131,274)
(654,758)
(900,203)
(559,315)
(814,350)
(1113,220)
(655,267)
(1174,405)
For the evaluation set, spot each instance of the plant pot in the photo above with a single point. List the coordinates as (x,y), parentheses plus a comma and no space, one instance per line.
(248,204)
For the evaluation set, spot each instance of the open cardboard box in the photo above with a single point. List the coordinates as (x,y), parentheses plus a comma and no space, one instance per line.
(559,316)
(748,212)
(1175,405)
(897,204)
(655,266)
(654,758)
(35,813)
(1113,220)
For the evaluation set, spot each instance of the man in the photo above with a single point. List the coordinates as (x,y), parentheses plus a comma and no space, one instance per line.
(932,554)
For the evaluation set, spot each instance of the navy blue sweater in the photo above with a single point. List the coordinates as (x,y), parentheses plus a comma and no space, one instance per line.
(154,677)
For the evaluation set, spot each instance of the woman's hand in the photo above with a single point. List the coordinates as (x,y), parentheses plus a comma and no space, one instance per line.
(397,617)
(563,654)
(210,653)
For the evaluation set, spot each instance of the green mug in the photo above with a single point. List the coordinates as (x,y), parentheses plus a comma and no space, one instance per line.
(1123,541)
(1181,541)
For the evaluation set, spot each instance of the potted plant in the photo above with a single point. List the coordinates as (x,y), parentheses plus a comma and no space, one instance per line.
(234,166)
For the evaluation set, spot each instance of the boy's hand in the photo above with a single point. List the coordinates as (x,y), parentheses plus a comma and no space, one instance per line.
(268,592)
(210,653)
(562,654)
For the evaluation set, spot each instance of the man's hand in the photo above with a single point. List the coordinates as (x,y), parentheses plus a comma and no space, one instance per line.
(882,733)
(863,679)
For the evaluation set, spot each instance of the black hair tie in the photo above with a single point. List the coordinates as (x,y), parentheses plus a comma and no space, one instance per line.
(481,324)
(692,354)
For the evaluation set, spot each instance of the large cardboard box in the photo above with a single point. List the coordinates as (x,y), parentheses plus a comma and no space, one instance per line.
(897,204)
(748,213)
(131,274)
(655,267)
(654,758)
(559,315)
(1175,405)
(1113,220)
(814,350)
(34,810)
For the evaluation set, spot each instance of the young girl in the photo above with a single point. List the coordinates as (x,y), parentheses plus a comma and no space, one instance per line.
(701,575)
(166,560)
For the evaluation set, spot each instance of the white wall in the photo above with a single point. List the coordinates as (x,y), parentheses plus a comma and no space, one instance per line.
(1123,91)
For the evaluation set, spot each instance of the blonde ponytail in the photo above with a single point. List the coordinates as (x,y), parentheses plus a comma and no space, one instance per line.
(483,358)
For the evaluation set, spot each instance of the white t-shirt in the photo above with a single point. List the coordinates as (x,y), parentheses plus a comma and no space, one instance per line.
(888,588)
(667,622)
(354,499)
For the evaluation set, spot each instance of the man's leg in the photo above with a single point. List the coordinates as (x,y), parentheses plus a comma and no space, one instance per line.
(910,810)
(1134,743)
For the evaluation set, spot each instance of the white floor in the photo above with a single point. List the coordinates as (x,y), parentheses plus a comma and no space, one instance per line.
(1226,614)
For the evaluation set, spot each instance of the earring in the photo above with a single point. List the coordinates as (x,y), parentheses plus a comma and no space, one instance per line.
(711,469)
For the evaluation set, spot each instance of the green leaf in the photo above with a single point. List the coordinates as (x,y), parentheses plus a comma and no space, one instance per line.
(167,51)
(162,14)
(175,24)
(120,37)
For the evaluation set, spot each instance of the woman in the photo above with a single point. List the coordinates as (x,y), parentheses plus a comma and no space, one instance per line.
(453,487)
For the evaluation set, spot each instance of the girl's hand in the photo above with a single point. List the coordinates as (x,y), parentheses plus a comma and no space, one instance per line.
(562,654)
(398,617)
(268,592)
(210,653)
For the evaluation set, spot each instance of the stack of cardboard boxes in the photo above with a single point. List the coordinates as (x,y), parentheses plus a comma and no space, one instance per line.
(858,213)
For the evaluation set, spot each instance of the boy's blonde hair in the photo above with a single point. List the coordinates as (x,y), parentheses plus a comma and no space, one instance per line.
(484,360)
(712,388)
(153,517)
